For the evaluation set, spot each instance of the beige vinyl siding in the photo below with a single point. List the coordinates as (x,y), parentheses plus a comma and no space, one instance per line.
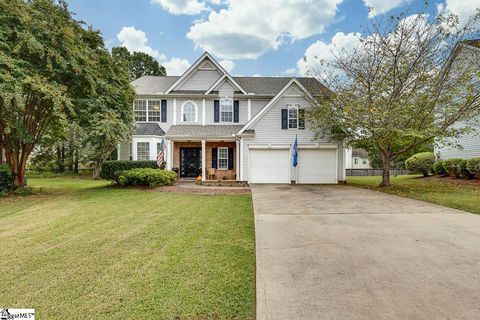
(268,132)
(226,89)
(470,143)
(124,151)
(200,80)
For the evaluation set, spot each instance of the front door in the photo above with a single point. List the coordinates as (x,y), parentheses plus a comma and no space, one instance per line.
(190,162)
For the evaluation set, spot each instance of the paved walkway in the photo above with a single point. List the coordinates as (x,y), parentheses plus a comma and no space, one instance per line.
(337,252)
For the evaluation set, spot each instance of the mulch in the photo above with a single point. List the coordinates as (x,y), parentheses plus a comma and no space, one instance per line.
(456,181)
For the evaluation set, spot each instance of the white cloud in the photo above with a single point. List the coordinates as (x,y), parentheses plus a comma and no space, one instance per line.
(136,41)
(246,29)
(464,9)
(290,71)
(321,51)
(191,7)
(227,65)
(382,6)
(176,66)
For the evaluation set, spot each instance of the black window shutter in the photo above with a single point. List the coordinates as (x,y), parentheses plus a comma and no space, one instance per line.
(216,111)
(236,107)
(284,119)
(214,157)
(164,111)
(230,159)
(301,118)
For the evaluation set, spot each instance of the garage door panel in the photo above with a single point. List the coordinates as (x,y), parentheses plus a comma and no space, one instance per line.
(317,166)
(269,166)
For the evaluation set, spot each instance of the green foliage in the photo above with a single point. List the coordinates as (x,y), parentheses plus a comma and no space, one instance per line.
(112,169)
(420,162)
(375,157)
(138,63)
(473,166)
(464,173)
(438,168)
(452,166)
(6,178)
(147,177)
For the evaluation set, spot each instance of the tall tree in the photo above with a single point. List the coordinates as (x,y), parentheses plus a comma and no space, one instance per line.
(402,86)
(52,71)
(138,63)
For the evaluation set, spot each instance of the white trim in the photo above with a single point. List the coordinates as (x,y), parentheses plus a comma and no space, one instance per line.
(203,111)
(118,153)
(218,158)
(196,112)
(174,111)
(295,106)
(237,160)
(221,80)
(325,146)
(204,162)
(220,110)
(249,110)
(269,146)
(272,102)
(194,66)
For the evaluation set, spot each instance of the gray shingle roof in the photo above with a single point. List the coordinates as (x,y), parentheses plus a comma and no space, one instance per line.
(148,129)
(203,131)
(360,153)
(270,86)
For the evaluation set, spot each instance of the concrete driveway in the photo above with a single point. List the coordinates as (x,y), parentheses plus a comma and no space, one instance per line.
(337,252)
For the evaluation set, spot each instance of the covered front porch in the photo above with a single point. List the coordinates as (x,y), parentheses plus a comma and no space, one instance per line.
(210,160)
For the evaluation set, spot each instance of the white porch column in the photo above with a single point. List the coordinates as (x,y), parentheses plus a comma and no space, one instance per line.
(237,160)
(242,178)
(134,149)
(249,111)
(118,153)
(169,155)
(203,112)
(204,169)
(174,111)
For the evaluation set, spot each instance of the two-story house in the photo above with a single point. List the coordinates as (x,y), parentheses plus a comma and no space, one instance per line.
(238,128)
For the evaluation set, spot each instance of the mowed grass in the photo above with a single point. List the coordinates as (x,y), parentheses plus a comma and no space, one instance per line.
(440,191)
(82,249)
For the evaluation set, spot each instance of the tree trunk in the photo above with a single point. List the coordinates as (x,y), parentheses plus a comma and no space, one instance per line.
(98,169)
(386,171)
(75,165)
(1,149)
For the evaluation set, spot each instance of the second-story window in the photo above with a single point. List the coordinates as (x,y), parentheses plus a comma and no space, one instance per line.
(226,110)
(154,110)
(189,111)
(292,116)
(140,109)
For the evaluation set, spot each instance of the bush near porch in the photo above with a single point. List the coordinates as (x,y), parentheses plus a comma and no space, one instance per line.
(112,169)
(146,177)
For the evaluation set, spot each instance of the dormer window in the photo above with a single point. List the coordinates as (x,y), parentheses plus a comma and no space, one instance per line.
(226,110)
(189,111)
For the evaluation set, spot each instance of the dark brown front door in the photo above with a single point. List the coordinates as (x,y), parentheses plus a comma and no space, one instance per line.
(190,162)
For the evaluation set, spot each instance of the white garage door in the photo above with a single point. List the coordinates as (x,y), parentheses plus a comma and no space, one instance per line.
(317,166)
(268,166)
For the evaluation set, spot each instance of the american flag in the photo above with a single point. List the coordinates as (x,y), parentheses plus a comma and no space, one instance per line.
(161,153)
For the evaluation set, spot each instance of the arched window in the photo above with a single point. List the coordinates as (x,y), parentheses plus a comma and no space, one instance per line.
(189,111)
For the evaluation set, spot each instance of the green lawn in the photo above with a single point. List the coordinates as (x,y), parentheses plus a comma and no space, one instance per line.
(85,250)
(440,191)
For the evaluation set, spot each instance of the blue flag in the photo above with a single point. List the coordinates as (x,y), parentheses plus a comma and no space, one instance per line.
(295,153)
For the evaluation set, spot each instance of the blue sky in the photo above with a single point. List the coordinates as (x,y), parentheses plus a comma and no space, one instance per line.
(249,37)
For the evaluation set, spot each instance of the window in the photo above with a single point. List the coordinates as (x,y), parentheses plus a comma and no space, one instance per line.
(140,109)
(226,110)
(292,116)
(364,161)
(355,160)
(222,158)
(143,151)
(189,112)
(159,146)
(154,110)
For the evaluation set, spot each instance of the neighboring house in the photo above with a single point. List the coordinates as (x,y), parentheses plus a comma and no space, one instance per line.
(238,128)
(356,159)
(468,145)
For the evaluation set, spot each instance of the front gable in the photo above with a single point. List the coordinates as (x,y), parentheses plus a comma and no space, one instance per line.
(205,74)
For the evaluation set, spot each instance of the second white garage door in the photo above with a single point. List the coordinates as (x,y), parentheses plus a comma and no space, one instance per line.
(317,166)
(269,166)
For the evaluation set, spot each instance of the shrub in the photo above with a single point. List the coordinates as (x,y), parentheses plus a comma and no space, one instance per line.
(452,166)
(6,178)
(438,168)
(112,169)
(464,173)
(421,162)
(473,166)
(147,177)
